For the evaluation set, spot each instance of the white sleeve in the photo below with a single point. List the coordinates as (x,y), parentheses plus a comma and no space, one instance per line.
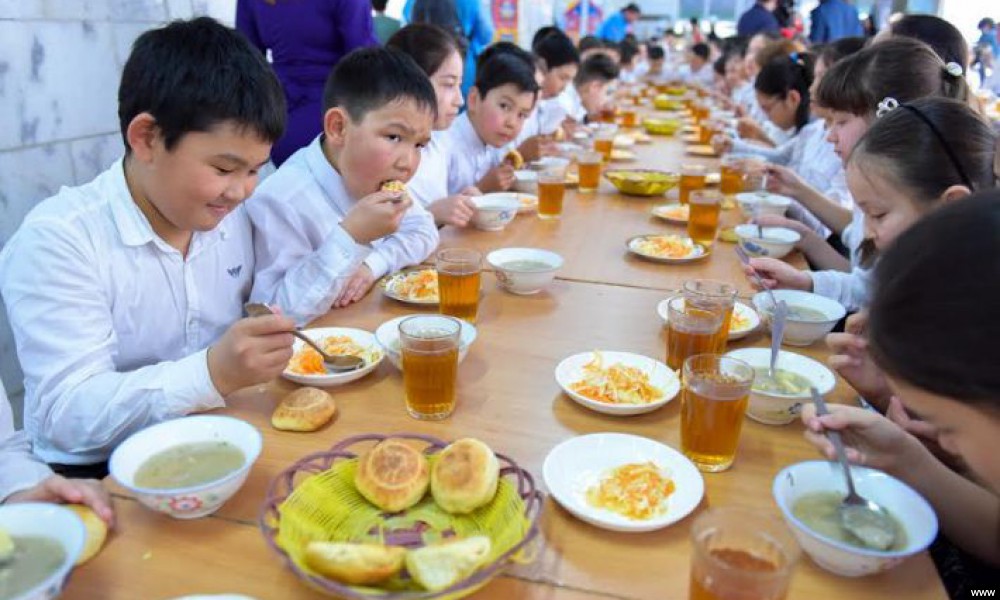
(61,317)
(413,242)
(303,281)
(779,155)
(20,469)
(852,289)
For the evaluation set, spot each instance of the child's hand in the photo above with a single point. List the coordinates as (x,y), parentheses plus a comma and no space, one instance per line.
(59,490)
(356,287)
(871,440)
(499,179)
(376,216)
(777,274)
(851,360)
(252,351)
(784,181)
(454,210)
(722,143)
(751,130)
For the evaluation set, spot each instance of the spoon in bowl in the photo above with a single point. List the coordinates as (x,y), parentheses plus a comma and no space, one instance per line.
(867,521)
(334,363)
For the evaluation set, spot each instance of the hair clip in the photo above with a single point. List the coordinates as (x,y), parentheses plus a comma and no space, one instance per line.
(886,106)
(954,69)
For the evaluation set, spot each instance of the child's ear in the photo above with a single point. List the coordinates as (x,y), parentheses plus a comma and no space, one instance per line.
(955,192)
(794,97)
(335,125)
(473,101)
(142,134)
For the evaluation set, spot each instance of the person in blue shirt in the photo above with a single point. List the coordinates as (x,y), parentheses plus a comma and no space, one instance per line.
(759,19)
(988,35)
(614,28)
(832,20)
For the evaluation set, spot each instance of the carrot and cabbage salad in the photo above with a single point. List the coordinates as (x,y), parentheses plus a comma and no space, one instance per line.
(615,384)
(416,285)
(308,362)
(665,246)
(635,490)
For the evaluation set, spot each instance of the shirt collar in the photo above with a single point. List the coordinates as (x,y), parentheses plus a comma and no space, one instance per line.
(323,172)
(466,133)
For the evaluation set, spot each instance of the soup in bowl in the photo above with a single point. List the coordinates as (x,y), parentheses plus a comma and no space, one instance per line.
(777,400)
(810,316)
(47,540)
(495,211)
(524,271)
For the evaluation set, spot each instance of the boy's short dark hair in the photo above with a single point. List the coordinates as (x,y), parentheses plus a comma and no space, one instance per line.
(701,50)
(557,50)
(599,67)
(379,5)
(504,47)
(655,52)
(627,51)
(369,78)
(503,67)
(589,42)
(544,32)
(193,75)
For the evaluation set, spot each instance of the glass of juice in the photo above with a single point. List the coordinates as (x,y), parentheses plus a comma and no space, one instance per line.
(703,219)
(458,282)
(589,164)
(741,554)
(551,189)
(429,347)
(692,178)
(690,330)
(717,296)
(713,402)
(731,175)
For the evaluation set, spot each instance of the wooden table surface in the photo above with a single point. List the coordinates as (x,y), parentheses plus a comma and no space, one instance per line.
(508,397)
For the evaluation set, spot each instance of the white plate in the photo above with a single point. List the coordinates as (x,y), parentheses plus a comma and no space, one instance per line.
(570,370)
(579,463)
(361,337)
(388,288)
(528,203)
(661,212)
(713,178)
(698,253)
(624,141)
(741,308)
(622,156)
(701,150)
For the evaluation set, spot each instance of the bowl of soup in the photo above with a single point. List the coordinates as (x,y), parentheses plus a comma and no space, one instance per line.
(187,467)
(810,316)
(753,204)
(808,494)
(47,540)
(777,400)
(495,211)
(526,181)
(387,336)
(775,242)
(524,271)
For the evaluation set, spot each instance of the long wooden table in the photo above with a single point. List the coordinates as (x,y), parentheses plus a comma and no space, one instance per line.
(508,397)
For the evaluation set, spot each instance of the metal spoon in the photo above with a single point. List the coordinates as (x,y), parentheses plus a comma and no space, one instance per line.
(868,522)
(777,333)
(745,259)
(333,363)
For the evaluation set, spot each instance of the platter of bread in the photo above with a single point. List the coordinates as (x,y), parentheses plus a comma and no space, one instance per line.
(404,516)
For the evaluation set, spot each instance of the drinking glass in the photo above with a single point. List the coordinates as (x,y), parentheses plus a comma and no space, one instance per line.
(717,296)
(589,163)
(429,347)
(690,330)
(713,401)
(551,189)
(692,178)
(458,282)
(703,219)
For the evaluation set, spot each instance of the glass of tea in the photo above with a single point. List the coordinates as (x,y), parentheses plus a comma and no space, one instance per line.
(703,219)
(731,175)
(741,553)
(692,178)
(551,189)
(589,164)
(604,140)
(713,402)
(690,330)
(717,296)
(458,282)
(630,118)
(429,346)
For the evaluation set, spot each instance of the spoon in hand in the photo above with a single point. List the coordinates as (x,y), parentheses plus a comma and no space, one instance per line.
(864,519)
(333,363)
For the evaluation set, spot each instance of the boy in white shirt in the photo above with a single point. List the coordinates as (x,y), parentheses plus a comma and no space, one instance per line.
(325,229)
(125,294)
(698,70)
(589,91)
(561,63)
(499,103)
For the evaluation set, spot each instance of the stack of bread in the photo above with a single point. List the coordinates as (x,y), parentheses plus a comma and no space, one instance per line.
(395,476)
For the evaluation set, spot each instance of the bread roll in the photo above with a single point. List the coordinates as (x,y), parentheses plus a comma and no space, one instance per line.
(394,185)
(305,409)
(465,476)
(355,564)
(442,565)
(393,475)
(515,159)
(96,528)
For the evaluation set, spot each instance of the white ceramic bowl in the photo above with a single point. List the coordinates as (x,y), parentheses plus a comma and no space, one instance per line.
(580,462)
(526,181)
(195,501)
(547,162)
(494,211)
(781,409)
(570,370)
(799,332)
(753,204)
(519,281)
(387,335)
(48,521)
(363,338)
(776,242)
(906,505)
(740,308)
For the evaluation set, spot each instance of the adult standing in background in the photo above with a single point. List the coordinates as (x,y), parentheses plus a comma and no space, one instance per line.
(465,19)
(306,39)
(384,26)
(832,20)
(614,28)
(758,19)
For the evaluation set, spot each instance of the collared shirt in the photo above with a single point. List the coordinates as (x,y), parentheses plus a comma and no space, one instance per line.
(469,157)
(705,76)
(852,290)
(304,256)
(756,20)
(545,119)
(572,104)
(613,28)
(112,324)
(20,469)
(430,182)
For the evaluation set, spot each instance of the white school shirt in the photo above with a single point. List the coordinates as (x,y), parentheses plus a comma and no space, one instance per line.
(572,104)
(469,157)
(852,290)
(304,256)
(430,182)
(112,324)
(705,76)
(20,469)
(544,119)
